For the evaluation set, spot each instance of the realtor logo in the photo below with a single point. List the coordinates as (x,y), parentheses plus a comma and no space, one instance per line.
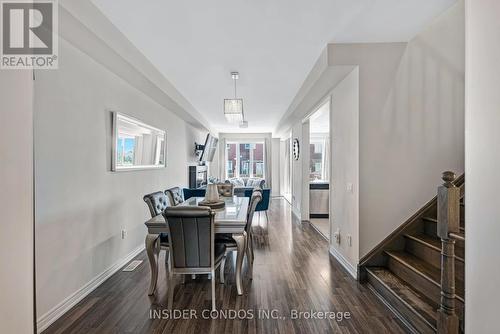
(29,35)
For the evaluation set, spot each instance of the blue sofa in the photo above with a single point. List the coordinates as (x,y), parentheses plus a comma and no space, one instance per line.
(188,193)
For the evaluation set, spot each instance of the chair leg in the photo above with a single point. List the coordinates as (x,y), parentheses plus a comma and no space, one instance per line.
(168,259)
(171,288)
(183,279)
(251,246)
(213,290)
(222,265)
(153,250)
(249,263)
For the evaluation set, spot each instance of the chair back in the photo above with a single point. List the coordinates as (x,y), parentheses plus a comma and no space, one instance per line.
(254,200)
(191,230)
(225,189)
(157,203)
(175,195)
(266,198)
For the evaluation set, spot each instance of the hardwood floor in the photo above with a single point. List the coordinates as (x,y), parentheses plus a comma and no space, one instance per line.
(292,271)
(322,225)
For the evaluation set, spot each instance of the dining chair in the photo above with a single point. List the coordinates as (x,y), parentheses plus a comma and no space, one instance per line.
(225,189)
(157,203)
(230,243)
(192,246)
(264,204)
(175,195)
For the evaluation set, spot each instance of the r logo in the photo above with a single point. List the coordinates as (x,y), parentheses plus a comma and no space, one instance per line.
(27,28)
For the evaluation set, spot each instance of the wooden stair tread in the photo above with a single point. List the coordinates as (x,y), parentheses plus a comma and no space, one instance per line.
(424,269)
(434,220)
(426,239)
(430,241)
(430,219)
(416,301)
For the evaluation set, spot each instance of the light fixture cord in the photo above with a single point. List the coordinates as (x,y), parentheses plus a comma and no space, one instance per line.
(235,97)
(234,79)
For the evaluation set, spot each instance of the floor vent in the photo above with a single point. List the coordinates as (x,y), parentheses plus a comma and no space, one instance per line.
(132,265)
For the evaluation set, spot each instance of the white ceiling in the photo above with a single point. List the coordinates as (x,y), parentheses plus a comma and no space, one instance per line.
(272,43)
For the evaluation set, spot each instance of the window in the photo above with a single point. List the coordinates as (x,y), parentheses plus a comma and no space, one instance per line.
(126,150)
(318,156)
(245,159)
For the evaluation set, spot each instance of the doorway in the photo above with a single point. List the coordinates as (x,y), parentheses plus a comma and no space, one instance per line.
(319,169)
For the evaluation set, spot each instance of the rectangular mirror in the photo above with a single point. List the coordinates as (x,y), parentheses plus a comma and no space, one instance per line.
(137,145)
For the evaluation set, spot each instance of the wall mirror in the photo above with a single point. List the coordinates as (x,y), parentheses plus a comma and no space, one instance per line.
(137,145)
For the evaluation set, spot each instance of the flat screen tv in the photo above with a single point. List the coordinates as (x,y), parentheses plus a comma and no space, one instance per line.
(209,149)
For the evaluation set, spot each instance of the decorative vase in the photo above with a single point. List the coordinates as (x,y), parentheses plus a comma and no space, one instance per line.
(212,193)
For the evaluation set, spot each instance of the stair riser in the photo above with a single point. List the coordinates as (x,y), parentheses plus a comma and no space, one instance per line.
(432,256)
(404,311)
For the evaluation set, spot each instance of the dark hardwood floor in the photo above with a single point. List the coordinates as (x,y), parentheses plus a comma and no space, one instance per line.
(292,271)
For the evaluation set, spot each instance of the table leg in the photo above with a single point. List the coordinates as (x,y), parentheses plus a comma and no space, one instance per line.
(240,239)
(153,249)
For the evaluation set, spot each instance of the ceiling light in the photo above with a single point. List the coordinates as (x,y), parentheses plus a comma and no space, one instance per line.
(233,108)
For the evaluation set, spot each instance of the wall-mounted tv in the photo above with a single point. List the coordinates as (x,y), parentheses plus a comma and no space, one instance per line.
(209,148)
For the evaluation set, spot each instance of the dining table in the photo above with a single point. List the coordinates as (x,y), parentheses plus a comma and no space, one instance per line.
(231,219)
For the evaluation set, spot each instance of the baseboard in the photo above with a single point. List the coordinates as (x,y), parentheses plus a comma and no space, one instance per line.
(60,309)
(343,261)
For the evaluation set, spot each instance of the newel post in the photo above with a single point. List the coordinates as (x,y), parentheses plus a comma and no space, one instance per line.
(448,216)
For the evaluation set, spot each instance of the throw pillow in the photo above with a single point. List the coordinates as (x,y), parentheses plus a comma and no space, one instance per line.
(237,182)
(254,182)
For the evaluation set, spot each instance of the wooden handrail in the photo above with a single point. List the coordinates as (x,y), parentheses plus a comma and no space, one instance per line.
(457,236)
(448,216)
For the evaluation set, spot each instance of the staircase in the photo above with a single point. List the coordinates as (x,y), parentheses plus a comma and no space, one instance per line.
(408,272)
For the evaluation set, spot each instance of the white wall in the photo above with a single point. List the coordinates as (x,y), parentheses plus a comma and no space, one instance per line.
(296,171)
(275,191)
(344,169)
(411,121)
(285,169)
(81,206)
(16,202)
(305,159)
(482,163)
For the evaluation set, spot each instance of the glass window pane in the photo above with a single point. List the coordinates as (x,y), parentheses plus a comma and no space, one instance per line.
(126,151)
(245,160)
(316,164)
(231,160)
(258,160)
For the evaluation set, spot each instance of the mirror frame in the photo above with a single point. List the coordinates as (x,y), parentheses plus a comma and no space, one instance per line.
(114,152)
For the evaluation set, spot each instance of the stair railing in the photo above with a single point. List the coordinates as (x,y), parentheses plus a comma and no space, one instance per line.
(448,227)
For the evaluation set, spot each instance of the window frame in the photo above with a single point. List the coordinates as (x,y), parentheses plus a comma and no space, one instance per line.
(237,173)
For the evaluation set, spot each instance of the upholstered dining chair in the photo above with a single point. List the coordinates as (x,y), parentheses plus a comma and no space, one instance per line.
(175,195)
(225,189)
(193,249)
(157,203)
(230,243)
